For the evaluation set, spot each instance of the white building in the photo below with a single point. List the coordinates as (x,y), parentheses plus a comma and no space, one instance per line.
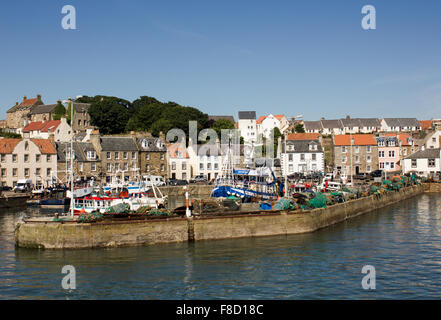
(424,162)
(302,156)
(400,125)
(179,166)
(205,159)
(432,141)
(247,125)
(60,129)
(265,124)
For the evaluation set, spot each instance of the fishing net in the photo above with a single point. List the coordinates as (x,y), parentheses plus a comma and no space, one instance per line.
(89,217)
(285,204)
(319,201)
(119,208)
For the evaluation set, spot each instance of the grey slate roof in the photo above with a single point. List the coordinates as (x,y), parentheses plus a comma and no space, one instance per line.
(350,122)
(215,118)
(425,154)
(369,122)
(44,108)
(331,124)
(114,143)
(151,144)
(402,122)
(312,125)
(81,107)
(80,150)
(247,115)
(302,146)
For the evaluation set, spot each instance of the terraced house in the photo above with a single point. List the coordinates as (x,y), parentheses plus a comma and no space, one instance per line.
(119,157)
(87,164)
(357,156)
(17,116)
(152,156)
(34,159)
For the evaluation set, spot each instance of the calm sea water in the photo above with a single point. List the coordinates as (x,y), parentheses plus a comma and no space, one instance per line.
(402,242)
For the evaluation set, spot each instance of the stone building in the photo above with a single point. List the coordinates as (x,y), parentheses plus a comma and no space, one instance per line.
(152,156)
(87,164)
(34,159)
(363,151)
(44,112)
(59,129)
(119,157)
(81,118)
(18,115)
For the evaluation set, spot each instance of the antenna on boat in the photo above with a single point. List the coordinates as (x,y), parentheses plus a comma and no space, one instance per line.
(71,160)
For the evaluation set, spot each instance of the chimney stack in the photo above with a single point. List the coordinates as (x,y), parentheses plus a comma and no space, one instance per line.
(24,98)
(39,97)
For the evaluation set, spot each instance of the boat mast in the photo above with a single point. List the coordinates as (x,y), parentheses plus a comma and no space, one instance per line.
(71,160)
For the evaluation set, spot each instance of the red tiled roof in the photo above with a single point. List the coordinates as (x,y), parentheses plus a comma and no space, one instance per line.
(45,146)
(359,140)
(303,136)
(279,116)
(50,126)
(261,118)
(33,126)
(28,102)
(8,145)
(425,124)
(174,148)
(404,139)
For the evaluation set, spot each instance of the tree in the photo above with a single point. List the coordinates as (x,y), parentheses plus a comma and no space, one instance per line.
(299,128)
(69,112)
(109,114)
(59,111)
(222,124)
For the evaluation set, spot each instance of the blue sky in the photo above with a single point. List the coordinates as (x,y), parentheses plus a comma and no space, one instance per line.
(291,57)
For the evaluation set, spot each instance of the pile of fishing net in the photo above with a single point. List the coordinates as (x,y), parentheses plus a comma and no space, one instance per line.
(319,201)
(217,205)
(285,204)
(119,208)
(159,212)
(89,217)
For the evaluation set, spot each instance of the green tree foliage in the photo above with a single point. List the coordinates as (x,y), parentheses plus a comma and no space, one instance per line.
(109,114)
(222,124)
(299,128)
(69,113)
(155,116)
(9,135)
(59,111)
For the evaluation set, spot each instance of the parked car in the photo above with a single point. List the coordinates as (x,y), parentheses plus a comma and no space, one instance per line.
(177,182)
(5,188)
(376,173)
(199,178)
(23,185)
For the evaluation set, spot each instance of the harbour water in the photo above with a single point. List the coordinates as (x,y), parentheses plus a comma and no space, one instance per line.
(402,242)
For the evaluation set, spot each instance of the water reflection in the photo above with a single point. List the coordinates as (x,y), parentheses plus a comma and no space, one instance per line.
(402,242)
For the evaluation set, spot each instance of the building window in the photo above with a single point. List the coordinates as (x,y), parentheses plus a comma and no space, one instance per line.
(125,166)
(368,149)
(108,156)
(431,163)
(3,157)
(343,159)
(116,167)
(162,167)
(357,149)
(125,155)
(3,172)
(391,154)
(147,167)
(404,152)
(302,157)
(14,172)
(26,157)
(381,154)
(174,166)
(162,156)
(381,165)
(91,155)
(357,159)
(37,171)
(109,167)
(290,157)
(209,166)
(147,156)
(314,157)
(368,159)
(392,165)
(133,155)
(216,166)
(201,166)
(93,166)
(37,158)
(14,158)
(48,172)
(48,158)
(26,172)
(290,168)
(343,149)
(184,166)
(368,168)
(116,155)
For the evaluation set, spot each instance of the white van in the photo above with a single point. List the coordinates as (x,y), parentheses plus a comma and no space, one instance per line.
(155,180)
(24,185)
(332,186)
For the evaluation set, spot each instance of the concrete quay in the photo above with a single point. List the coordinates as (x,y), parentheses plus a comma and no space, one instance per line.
(56,235)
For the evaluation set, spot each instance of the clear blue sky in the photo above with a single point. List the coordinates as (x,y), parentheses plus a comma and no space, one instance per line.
(291,57)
